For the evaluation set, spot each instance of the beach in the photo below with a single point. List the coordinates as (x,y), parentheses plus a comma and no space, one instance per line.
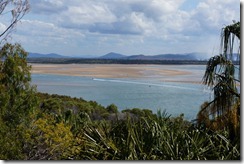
(162,72)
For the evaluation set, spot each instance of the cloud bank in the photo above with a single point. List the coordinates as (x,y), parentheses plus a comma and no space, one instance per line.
(93,27)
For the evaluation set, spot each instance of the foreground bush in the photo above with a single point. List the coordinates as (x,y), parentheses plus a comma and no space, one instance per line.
(153,139)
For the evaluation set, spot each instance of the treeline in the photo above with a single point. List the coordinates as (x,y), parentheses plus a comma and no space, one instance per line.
(66,105)
(110,61)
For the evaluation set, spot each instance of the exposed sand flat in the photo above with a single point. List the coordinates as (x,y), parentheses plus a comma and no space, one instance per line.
(164,72)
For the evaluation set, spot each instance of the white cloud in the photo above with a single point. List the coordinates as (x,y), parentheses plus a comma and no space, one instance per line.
(44,29)
(214,14)
(133,24)
(85,14)
(47,7)
(136,22)
(34,33)
(137,16)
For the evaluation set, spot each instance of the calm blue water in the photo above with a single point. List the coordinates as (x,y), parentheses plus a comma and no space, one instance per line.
(174,97)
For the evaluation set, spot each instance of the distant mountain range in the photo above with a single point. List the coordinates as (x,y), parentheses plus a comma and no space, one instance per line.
(51,55)
(113,55)
(187,56)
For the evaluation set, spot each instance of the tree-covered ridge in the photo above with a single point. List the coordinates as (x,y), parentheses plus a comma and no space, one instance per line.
(111,61)
(36,126)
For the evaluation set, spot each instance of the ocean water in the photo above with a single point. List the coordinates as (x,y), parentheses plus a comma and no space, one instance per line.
(145,93)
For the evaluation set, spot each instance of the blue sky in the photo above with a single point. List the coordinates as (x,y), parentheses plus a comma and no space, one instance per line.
(130,27)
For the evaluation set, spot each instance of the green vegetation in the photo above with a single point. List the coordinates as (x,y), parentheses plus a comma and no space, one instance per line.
(36,126)
(223,112)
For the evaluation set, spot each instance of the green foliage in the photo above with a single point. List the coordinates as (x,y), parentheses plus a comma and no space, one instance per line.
(11,143)
(112,108)
(17,99)
(223,112)
(153,139)
(139,112)
(17,96)
(138,135)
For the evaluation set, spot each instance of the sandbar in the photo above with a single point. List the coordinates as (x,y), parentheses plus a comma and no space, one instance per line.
(162,72)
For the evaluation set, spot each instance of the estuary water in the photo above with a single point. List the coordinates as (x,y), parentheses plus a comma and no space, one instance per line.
(174,95)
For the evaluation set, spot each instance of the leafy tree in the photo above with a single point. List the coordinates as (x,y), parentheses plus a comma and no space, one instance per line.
(17,99)
(17,96)
(112,108)
(17,9)
(224,109)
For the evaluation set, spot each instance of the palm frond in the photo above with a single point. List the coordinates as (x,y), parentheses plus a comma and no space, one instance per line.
(220,76)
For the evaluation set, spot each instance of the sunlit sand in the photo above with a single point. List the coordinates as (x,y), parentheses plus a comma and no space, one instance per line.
(162,72)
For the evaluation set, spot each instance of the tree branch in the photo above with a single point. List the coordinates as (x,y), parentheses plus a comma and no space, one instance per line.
(21,7)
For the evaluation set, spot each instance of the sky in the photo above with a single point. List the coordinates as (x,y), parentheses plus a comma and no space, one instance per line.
(130,27)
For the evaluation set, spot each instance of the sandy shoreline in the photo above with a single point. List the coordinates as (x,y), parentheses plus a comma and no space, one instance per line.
(163,72)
